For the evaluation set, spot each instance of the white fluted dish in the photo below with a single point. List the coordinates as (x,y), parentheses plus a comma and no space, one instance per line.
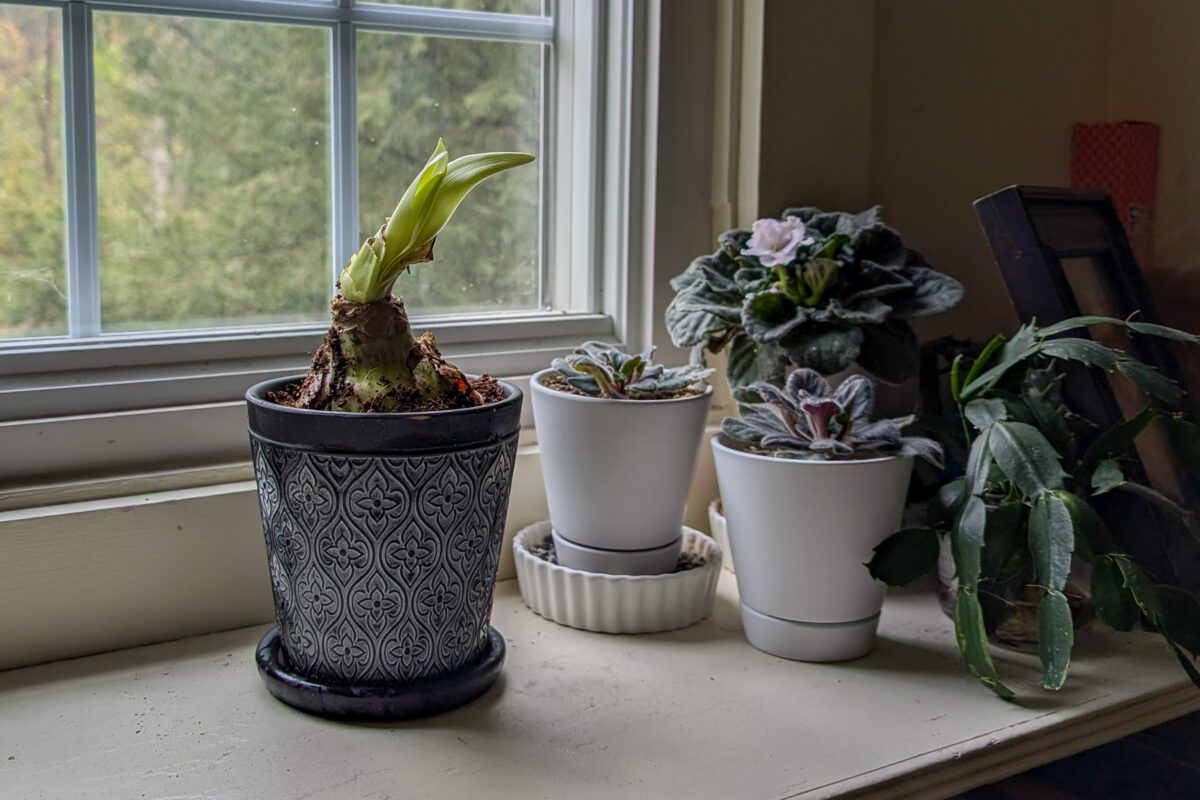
(594,601)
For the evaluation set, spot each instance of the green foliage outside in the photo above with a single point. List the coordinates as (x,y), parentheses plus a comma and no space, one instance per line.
(213,175)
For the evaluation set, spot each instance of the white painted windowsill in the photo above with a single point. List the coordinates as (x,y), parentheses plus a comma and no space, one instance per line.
(689,714)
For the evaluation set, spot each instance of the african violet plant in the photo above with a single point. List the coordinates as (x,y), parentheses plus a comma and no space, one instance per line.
(805,420)
(601,370)
(370,360)
(812,289)
(1023,509)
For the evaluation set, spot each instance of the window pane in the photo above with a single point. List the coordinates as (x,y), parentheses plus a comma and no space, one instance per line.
(534,7)
(213,172)
(478,96)
(33,282)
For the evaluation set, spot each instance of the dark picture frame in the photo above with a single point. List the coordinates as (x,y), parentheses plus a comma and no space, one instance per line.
(1041,238)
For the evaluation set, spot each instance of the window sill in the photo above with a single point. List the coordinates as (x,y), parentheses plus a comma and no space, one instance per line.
(693,713)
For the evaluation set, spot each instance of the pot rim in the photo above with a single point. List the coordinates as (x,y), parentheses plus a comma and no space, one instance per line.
(718,443)
(256,396)
(536,386)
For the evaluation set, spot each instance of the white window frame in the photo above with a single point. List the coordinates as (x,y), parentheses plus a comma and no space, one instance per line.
(96,408)
(587,253)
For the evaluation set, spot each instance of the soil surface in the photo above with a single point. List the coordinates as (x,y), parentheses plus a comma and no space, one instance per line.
(410,401)
(559,383)
(545,551)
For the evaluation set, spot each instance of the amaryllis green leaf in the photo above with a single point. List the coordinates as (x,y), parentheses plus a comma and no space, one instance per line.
(404,224)
(423,210)
(462,175)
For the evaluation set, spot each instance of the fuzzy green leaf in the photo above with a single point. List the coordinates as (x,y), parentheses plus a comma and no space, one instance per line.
(904,556)
(889,351)
(1056,635)
(826,350)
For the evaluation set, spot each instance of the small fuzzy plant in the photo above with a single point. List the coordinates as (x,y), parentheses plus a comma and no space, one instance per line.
(601,370)
(806,420)
(370,359)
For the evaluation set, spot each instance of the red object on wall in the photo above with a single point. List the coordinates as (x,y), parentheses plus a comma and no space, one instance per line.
(1121,158)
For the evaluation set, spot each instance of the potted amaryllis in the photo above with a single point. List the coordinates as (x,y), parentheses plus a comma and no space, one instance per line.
(383,477)
(810,486)
(811,289)
(619,436)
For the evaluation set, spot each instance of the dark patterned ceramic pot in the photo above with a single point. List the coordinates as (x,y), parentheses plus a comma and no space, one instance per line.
(383,534)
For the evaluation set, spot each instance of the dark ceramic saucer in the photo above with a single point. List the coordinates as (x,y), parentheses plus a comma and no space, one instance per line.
(420,698)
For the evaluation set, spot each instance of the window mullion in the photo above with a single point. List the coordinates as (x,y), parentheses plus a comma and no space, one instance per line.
(344,152)
(83,272)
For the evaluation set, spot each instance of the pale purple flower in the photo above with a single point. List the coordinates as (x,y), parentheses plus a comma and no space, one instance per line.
(775,241)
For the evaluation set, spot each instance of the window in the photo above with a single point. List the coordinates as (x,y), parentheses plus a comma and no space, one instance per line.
(182,181)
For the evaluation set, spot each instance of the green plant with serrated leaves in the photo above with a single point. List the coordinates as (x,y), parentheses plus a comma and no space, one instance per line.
(1022,509)
(811,289)
(602,370)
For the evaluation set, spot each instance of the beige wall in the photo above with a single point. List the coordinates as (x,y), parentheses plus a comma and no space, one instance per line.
(923,106)
(970,97)
(1154,75)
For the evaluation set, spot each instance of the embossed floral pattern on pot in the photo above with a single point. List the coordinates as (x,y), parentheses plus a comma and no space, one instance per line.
(382,566)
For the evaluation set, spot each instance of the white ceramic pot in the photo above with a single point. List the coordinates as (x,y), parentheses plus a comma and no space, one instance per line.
(617,474)
(800,533)
(617,603)
(719,531)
